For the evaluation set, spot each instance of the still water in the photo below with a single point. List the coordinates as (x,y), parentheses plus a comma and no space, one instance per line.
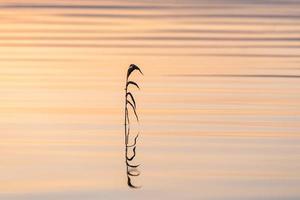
(219,104)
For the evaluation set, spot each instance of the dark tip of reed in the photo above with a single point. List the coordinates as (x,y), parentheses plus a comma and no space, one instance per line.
(132,68)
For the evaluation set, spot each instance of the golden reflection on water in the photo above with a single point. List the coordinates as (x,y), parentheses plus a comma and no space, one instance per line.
(219,108)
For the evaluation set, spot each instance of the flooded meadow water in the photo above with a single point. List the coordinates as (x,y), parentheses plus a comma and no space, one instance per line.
(219,104)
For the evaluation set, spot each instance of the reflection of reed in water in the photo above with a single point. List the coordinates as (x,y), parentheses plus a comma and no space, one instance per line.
(130,146)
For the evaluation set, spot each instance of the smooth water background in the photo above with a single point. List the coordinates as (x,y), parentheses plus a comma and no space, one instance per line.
(219,105)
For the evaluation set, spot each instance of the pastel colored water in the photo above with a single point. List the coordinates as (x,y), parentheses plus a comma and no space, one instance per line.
(219,105)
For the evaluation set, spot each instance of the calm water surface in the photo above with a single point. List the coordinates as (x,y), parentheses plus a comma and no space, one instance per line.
(219,105)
